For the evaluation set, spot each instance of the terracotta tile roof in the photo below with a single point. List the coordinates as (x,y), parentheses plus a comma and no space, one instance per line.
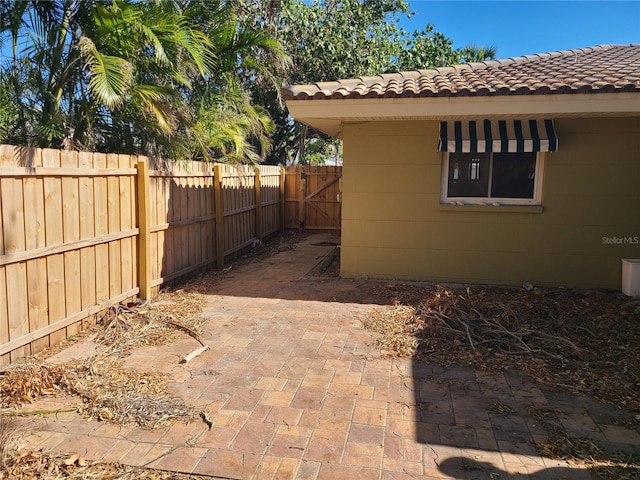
(603,68)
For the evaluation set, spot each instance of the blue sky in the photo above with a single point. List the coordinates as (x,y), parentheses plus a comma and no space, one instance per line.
(519,27)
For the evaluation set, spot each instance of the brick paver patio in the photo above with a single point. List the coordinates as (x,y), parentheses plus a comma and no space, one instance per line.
(296,390)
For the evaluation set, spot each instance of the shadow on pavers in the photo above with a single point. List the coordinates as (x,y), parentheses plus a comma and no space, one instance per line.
(500,417)
(484,415)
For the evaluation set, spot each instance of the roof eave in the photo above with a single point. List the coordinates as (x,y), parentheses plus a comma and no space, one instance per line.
(329,115)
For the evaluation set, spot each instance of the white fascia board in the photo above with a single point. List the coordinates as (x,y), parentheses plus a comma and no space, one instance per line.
(328,115)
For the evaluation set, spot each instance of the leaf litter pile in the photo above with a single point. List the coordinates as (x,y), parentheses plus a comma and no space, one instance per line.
(584,342)
(18,464)
(107,390)
(581,341)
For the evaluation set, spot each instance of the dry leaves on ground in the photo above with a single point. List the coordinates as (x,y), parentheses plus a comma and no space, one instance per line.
(108,391)
(111,393)
(581,341)
(583,451)
(16,464)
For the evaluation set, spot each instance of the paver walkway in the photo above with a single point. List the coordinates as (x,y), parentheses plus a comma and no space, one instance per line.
(296,390)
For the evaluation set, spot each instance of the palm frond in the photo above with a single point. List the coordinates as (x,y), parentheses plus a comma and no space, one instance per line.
(156,101)
(160,55)
(111,76)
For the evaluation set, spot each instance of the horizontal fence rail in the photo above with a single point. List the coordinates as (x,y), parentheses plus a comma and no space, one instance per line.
(82,231)
(313,197)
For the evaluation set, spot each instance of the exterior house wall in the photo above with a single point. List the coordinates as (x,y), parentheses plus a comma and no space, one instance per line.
(394,226)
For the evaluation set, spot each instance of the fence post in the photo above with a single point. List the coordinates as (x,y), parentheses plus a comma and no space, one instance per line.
(283,192)
(217,192)
(257,187)
(144,267)
(302,213)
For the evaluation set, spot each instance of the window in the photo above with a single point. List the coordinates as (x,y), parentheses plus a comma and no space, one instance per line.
(493,161)
(494,178)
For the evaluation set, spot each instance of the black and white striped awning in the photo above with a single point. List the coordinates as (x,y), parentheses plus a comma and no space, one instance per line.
(509,136)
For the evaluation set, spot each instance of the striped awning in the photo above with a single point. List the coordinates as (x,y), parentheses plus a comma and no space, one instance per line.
(508,136)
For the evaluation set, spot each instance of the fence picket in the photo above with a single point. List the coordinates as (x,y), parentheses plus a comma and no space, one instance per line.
(113,223)
(16,274)
(87,231)
(53,235)
(36,268)
(101,228)
(5,359)
(128,254)
(6,157)
(144,238)
(71,233)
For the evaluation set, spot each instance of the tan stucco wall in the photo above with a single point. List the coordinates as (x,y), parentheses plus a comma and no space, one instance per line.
(393,225)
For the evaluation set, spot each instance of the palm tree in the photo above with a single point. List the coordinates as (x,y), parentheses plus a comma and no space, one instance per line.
(472,53)
(227,123)
(84,61)
(129,76)
(142,70)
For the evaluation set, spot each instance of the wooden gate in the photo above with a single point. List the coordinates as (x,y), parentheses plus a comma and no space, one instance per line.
(313,197)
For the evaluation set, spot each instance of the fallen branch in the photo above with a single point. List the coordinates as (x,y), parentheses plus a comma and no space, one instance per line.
(188,330)
(195,353)
(37,412)
(206,419)
(195,335)
(563,340)
(490,324)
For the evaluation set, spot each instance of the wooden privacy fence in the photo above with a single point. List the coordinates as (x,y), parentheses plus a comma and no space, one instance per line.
(81,231)
(313,197)
(200,214)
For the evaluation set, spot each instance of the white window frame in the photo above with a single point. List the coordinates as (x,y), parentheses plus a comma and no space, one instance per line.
(537,188)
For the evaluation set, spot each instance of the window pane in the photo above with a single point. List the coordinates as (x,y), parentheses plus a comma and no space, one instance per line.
(513,175)
(468,175)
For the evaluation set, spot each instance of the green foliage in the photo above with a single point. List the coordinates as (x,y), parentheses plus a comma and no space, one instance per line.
(319,151)
(332,39)
(8,108)
(339,39)
(426,49)
(228,128)
(133,77)
(194,78)
(472,53)
(110,76)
